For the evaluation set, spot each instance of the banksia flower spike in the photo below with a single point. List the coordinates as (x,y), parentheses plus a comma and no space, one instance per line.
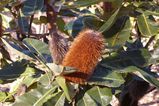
(58,47)
(83,55)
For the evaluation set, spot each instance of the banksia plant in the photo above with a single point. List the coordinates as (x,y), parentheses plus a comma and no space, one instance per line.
(58,47)
(83,55)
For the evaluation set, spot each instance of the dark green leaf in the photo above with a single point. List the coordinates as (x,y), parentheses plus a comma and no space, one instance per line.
(23,24)
(61,25)
(109,22)
(13,70)
(148,77)
(74,27)
(106,77)
(122,32)
(32,6)
(127,58)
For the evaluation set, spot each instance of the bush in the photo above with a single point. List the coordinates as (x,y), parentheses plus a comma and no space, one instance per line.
(30,77)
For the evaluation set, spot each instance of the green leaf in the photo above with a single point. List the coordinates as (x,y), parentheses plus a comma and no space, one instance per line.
(109,22)
(58,100)
(86,101)
(17,50)
(13,70)
(128,69)
(32,6)
(36,97)
(148,77)
(23,23)
(149,12)
(3,95)
(122,36)
(30,76)
(96,96)
(57,69)
(82,3)
(102,96)
(38,47)
(45,97)
(62,83)
(127,58)
(74,27)
(61,25)
(146,26)
(106,77)
(92,22)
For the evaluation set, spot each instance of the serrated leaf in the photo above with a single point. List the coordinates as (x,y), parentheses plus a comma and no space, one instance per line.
(102,96)
(106,77)
(127,58)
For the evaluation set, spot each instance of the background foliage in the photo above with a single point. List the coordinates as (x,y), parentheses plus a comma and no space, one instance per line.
(28,75)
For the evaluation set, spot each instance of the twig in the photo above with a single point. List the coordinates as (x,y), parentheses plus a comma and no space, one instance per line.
(31,20)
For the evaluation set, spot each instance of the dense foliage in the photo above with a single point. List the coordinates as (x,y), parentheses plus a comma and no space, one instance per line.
(28,75)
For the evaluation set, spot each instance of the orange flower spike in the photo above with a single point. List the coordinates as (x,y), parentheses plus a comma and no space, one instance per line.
(83,55)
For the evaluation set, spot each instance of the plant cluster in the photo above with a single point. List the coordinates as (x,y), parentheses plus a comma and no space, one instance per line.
(30,74)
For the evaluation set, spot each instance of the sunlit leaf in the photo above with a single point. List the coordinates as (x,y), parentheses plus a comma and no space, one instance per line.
(62,83)
(36,97)
(146,26)
(38,47)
